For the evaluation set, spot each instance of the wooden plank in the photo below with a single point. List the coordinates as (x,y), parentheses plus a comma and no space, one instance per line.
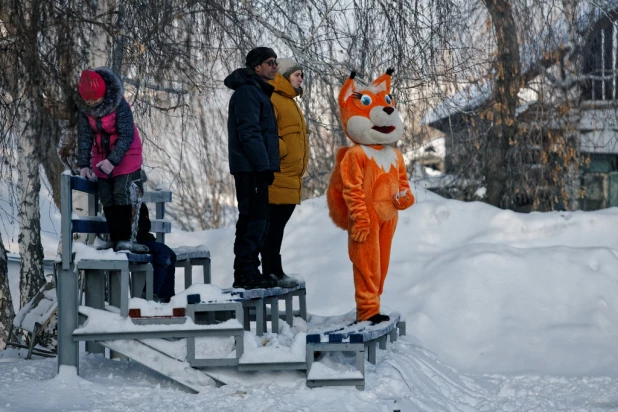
(161,226)
(354,333)
(84,185)
(89,224)
(178,371)
(157,196)
(246,294)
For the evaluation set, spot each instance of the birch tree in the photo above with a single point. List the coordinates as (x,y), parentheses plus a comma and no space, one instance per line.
(24,20)
(6,302)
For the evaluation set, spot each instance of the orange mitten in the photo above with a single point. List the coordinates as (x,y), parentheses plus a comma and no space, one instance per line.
(403,199)
(360,230)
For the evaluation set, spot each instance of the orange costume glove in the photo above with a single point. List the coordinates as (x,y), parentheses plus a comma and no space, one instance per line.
(360,230)
(403,199)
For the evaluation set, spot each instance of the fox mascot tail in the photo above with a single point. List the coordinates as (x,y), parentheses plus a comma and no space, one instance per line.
(337,208)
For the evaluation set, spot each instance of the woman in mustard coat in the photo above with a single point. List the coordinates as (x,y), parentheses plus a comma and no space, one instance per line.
(285,192)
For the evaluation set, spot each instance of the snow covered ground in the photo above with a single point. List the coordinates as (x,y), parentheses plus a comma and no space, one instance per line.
(504,312)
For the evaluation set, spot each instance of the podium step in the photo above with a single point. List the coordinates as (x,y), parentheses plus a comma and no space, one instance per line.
(178,371)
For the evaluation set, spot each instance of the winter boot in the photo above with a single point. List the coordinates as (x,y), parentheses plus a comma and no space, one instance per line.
(124,246)
(377,318)
(255,281)
(286,282)
(124,222)
(128,246)
(262,282)
(139,248)
(119,222)
(283,280)
(100,244)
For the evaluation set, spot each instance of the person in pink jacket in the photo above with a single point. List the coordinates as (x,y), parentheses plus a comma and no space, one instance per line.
(110,151)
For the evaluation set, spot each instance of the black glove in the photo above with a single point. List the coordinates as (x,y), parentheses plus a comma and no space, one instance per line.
(268,176)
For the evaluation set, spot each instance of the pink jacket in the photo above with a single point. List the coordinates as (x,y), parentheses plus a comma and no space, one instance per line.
(132,159)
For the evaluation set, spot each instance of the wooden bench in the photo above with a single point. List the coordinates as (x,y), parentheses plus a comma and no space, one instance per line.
(351,337)
(186,256)
(255,301)
(95,264)
(127,272)
(135,341)
(189,256)
(245,306)
(203,314)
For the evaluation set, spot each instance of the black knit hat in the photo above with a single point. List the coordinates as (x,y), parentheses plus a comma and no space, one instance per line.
(258,56)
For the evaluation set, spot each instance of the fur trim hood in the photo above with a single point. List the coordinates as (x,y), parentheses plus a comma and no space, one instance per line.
(114,94)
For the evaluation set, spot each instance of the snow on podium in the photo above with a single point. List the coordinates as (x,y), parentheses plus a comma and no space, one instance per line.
(204,330)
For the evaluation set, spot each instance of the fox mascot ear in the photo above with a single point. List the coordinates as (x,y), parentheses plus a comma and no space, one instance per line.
(347,89)
(383,83)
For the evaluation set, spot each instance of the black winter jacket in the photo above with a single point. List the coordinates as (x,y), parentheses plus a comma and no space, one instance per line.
(253,140)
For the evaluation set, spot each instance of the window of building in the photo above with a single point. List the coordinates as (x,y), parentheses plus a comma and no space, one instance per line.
(600,64)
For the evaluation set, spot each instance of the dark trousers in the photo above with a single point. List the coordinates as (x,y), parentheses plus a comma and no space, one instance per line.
(252,225)
(164,268)
(117,190)
(271,251)
(117,195)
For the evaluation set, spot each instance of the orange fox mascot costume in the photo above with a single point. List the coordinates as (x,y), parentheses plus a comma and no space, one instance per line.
(368,185)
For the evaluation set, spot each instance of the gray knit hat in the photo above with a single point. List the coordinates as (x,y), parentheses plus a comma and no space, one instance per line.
(287,66)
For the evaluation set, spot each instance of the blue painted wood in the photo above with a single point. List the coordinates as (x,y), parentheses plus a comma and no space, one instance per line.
(315,338)
(355,333)
(246,294)
(83,185)
(138,258)
(89,226)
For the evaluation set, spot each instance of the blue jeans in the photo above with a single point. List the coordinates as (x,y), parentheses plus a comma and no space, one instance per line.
(164,268)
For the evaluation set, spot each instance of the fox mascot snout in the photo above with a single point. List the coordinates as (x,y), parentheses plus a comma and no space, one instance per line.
(368,185)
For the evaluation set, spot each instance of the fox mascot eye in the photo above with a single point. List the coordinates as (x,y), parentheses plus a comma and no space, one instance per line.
(389,99)
(365,100)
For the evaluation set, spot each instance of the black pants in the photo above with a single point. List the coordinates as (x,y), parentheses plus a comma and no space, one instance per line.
(164,268)
(252,225)
(271,251)
(116,191)
(116,195)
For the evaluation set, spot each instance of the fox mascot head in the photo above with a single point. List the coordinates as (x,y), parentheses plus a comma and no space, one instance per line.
(369,117)
(368,114)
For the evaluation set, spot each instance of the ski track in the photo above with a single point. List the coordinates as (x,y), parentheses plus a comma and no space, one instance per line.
(407,377)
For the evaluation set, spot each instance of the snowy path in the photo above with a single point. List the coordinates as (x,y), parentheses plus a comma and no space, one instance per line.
(406,378)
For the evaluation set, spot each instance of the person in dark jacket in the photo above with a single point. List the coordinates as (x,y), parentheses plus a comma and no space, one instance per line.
(253,146)
(110,146)
(163,258)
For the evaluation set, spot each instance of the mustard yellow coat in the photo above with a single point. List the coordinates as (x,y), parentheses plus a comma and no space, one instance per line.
(293,144)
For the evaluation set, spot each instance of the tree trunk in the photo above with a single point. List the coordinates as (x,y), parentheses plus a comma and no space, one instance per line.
(30,113)
(571,65)
(118,41)
(6,303)
(506,86)
(31,276)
